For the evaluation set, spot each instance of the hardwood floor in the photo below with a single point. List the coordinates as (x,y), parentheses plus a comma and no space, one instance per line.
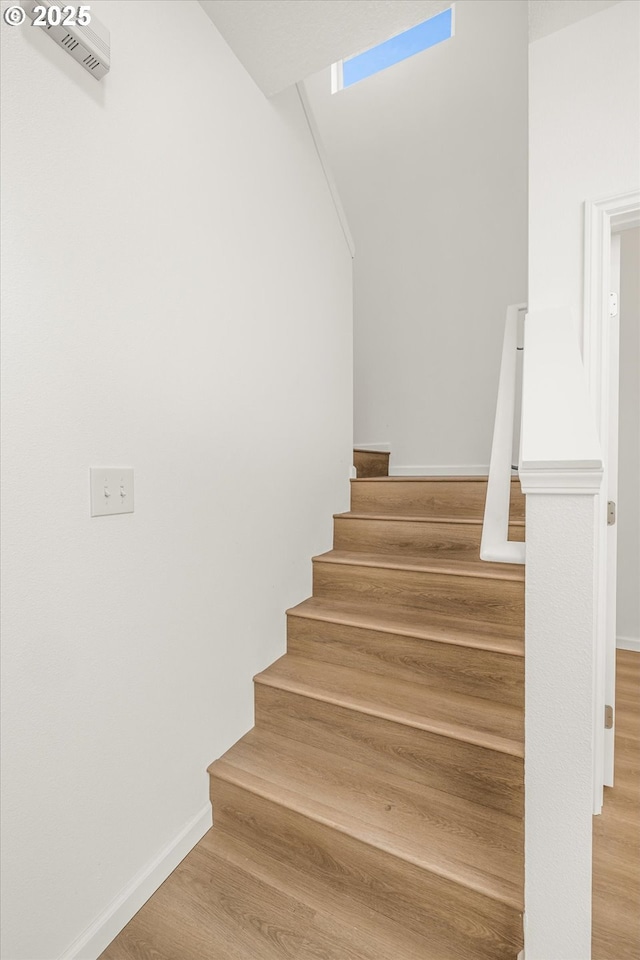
(230,901)
(616,833)
(375,810)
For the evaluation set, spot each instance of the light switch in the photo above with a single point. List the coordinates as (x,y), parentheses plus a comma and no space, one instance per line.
(111,490)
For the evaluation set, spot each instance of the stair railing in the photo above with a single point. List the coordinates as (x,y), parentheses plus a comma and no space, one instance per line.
(495,545)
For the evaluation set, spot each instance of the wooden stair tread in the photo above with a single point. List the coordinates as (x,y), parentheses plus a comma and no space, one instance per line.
(456,568)
(375,812)
(417,518)
(381,453)
(453,838)
(427,478)
(413,622)
(485,723)
(227,902)
(377,937)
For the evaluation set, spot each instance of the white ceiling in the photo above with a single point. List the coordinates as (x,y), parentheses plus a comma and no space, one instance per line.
(547,16)
(280,42)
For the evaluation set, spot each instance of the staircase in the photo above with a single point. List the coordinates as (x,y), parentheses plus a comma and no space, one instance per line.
(375,810)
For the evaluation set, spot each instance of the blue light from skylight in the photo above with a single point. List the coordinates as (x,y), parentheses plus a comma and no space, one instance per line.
(405,45)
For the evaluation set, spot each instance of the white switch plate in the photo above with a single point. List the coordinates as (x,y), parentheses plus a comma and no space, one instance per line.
(111,490)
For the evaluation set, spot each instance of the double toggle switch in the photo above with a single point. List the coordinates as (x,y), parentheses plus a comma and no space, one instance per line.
(111,490)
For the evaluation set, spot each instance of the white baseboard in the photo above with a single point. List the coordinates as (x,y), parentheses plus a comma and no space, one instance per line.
(373,447)
(441,470)
(628,643)
(97,937)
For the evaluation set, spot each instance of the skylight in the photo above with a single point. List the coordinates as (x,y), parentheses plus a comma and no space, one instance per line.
(345,73)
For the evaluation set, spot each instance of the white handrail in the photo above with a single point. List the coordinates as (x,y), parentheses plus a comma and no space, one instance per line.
(495,545)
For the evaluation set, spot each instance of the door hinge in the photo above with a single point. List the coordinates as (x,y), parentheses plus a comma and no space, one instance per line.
(608,717)
(611,512)
(613,304)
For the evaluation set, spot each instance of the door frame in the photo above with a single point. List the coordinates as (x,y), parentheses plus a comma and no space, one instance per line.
(601,218)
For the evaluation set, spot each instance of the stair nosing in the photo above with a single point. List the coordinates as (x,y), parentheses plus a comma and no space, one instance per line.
(438,728)
(378,453)
(413,518)
(342,617)
(391,561)
(313,810)
(454,478)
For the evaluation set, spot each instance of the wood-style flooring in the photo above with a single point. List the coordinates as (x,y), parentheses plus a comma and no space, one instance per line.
(375,810)
(222,903)
(616,833)
(370,463)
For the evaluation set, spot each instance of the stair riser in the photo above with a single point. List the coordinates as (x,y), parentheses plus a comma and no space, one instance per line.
(466,770)
(480,598)
(371,463)
(429,498)
(466,670)
(454,541)
(399,890)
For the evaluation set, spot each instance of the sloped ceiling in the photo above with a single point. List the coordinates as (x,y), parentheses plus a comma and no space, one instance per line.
(547,16)
(280,42)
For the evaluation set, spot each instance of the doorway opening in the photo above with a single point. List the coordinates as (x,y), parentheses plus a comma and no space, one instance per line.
(605,223)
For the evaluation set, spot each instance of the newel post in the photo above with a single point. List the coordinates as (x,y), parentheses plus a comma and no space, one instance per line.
(561,474)
(560,631)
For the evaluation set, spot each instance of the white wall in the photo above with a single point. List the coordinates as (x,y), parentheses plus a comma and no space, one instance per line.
(584,142)
(430,157)
(583,146)
(178,299)
(628,606)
